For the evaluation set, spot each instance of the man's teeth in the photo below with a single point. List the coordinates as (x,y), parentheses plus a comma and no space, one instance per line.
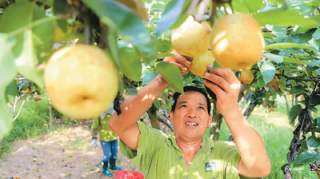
(190,123)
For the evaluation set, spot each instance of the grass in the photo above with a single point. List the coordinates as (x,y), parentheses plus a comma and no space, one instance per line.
(32,121)
(277,140)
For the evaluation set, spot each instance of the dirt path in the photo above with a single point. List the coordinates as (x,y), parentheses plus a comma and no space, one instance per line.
(66,153)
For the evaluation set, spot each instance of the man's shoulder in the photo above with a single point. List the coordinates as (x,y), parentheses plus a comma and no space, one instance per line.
(220,143)
(149,131)
(224,150)
(150,141)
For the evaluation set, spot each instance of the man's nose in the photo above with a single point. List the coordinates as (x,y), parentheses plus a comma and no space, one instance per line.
(191,112)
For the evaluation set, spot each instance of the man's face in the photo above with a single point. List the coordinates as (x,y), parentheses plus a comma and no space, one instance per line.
(190,118)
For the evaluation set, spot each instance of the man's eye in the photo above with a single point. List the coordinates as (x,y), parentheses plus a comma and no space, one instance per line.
(201,107)
(183,105)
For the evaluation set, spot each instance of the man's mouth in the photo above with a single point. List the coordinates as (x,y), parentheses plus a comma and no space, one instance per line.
(191,124)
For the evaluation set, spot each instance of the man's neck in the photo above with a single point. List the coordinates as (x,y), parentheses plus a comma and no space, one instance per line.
(189,149)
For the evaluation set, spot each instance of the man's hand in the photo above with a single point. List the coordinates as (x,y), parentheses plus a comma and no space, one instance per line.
(226,86)
(94,142)
(182,62)
(254,160)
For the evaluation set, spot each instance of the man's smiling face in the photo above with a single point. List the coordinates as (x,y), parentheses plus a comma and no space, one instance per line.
(190,117)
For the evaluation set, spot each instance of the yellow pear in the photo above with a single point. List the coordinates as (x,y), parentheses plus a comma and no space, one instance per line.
(200,63)
(246,76)
(237,41)
(191,38)
(81,81)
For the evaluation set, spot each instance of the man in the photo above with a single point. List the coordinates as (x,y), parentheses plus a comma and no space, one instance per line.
(187,153)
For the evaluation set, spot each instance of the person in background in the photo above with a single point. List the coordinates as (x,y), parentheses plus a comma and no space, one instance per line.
(108,140)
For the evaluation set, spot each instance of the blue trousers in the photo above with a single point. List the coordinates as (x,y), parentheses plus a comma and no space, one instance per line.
(110,150)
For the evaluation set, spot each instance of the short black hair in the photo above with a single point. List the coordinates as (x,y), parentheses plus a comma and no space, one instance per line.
(191,88)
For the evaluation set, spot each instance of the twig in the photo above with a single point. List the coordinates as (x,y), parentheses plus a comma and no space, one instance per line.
(19,111)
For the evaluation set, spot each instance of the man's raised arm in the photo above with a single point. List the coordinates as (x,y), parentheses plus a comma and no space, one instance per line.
(125,124)
(254,160)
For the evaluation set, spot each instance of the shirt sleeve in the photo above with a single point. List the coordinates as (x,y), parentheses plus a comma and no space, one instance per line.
(150,140)
(231,157)
(95,124)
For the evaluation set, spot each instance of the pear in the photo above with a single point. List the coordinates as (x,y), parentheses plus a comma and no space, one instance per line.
(81,81)
(191,38)
(200,63)
(237,41)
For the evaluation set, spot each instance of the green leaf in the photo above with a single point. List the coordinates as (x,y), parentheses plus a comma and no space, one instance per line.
(48,2)
(247,6)
(171,73)
(297,90)
(123,20)
(148,75)
(9,20)
(43,33)
(306,158)
(170,15)
(21,9)
(7,65)
(6,120)
(267,70)
(294,112)
(24,49)
(286,45)
(7,73)
(313,142)
(316,34)
(11,90)
(27,60)
(281,17)
(301,6)
(293,61)
(163,47)
(275,58)
(130,62)
(113,47)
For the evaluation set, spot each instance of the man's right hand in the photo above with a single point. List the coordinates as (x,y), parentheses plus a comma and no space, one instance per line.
(94,142)
(182,62)
(225,85)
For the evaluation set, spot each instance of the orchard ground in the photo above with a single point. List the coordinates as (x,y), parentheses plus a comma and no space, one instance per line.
(65,153)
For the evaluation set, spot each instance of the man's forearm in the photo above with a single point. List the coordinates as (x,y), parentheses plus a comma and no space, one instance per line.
(249,143)
(135,106)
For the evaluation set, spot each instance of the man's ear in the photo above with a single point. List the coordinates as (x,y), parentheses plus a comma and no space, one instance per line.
(171,117)
(210,120)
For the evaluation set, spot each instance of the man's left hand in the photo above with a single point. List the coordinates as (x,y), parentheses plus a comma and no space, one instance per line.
(94,143)
(226,86)
(182,62)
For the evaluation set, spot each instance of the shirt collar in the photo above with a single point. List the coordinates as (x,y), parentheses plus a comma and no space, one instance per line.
(207,143)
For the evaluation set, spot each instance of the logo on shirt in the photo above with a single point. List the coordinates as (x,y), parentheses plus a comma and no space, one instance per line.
(211,165)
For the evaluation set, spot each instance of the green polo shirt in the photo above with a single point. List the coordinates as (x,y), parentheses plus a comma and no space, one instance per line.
(158,156)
